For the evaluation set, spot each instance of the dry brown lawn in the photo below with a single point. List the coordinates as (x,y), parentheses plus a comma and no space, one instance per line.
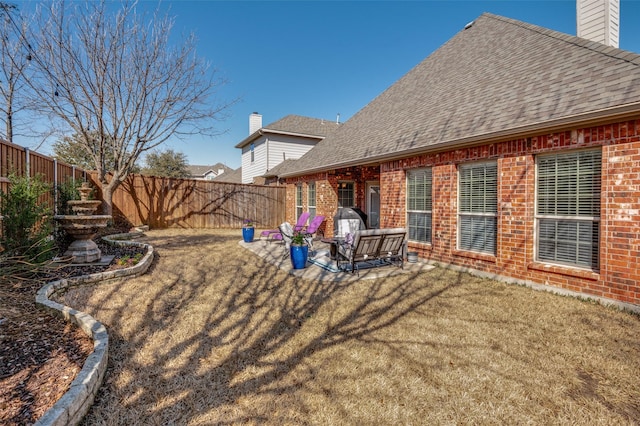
(214,335)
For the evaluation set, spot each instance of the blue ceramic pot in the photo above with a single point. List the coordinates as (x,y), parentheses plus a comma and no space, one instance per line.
(298,255)
(247,234)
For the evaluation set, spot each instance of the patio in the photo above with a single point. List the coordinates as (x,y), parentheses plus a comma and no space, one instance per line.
(214,334)
(322,267)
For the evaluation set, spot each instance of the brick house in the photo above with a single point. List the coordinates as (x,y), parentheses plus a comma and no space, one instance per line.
(512,151)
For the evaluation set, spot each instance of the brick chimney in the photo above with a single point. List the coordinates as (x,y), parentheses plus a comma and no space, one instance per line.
(599,20)
(255,122)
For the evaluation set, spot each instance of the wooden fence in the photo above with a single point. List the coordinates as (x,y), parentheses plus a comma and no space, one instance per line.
(156,201)
(189,203)
(24,162)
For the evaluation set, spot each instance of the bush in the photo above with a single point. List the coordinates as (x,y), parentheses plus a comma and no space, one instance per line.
(26,223)
(66,192)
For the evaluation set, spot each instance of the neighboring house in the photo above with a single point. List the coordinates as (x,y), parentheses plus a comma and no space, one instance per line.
(234,176)
(208,172)
(512,150)
(288,138)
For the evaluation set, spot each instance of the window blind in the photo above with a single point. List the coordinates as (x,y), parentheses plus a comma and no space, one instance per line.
(419,204)
(569,184)
(478,207)
(311,196)
(568,207)
(299,208)
(479,188)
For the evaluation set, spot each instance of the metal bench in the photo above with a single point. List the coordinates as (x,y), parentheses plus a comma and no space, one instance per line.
(375,247)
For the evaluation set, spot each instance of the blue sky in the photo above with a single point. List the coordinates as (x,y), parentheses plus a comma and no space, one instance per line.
(323,58)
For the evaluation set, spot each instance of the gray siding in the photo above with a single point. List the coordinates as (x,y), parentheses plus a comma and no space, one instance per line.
(259,165)
(271,151)
(287,148)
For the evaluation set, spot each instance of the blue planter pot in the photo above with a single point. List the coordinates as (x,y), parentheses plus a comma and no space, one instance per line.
(298,255)
(247,234)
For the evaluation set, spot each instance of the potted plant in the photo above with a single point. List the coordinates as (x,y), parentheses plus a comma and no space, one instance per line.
(298,251)
(247,230)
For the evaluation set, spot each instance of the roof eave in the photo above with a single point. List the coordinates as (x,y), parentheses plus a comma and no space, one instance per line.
(300,135)
(246,141)
(571,122)
(255,135)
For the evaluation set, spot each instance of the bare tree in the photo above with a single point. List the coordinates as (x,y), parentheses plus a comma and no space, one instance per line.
(14,61)
(119,83)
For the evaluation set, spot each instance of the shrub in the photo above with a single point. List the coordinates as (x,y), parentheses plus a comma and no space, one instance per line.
(66,192)
(26,223)
(127,260)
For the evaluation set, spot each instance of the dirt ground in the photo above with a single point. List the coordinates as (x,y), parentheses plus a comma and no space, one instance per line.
(213,334)
(40,353)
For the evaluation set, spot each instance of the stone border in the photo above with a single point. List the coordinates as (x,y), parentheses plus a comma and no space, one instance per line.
(75,403)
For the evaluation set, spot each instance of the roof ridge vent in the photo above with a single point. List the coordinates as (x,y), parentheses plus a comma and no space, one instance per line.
(469,25)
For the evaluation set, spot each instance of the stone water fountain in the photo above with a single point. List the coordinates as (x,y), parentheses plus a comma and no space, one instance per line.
(83,226)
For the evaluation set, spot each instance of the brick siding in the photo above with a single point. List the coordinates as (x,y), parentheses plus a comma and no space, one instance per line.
(618,277)
(327,192)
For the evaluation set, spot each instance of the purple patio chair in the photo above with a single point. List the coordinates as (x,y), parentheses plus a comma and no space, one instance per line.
(309,233)
(275,234)
(311,230)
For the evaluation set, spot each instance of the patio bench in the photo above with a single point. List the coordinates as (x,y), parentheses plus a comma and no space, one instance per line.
(375,247)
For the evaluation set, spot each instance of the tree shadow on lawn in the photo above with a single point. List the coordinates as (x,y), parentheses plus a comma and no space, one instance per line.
(213,334)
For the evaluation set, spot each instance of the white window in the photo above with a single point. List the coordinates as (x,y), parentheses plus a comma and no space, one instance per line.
(568,208)
(252,147)
(477,211)
(419,205)
(311,199)
(299,207)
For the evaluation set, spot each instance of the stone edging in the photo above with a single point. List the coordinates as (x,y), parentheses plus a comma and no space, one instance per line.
(75,403)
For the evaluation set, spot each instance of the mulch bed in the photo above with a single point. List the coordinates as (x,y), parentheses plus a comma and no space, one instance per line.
(40,354)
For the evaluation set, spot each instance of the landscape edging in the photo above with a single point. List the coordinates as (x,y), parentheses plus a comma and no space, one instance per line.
(75,403)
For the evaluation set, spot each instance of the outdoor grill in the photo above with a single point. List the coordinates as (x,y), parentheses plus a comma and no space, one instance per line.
(348,220)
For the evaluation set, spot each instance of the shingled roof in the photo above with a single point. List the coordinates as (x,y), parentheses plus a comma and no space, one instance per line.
(295,125)
(232,176)
(197,170)
(498,78)
(281,168)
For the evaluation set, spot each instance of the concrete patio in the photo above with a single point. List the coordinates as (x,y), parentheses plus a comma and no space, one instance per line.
(274,253)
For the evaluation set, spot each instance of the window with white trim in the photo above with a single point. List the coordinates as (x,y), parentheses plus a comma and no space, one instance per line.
(568,208)
(478,207)
(345,194)
(311,199)
(299,208)
(419,205)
